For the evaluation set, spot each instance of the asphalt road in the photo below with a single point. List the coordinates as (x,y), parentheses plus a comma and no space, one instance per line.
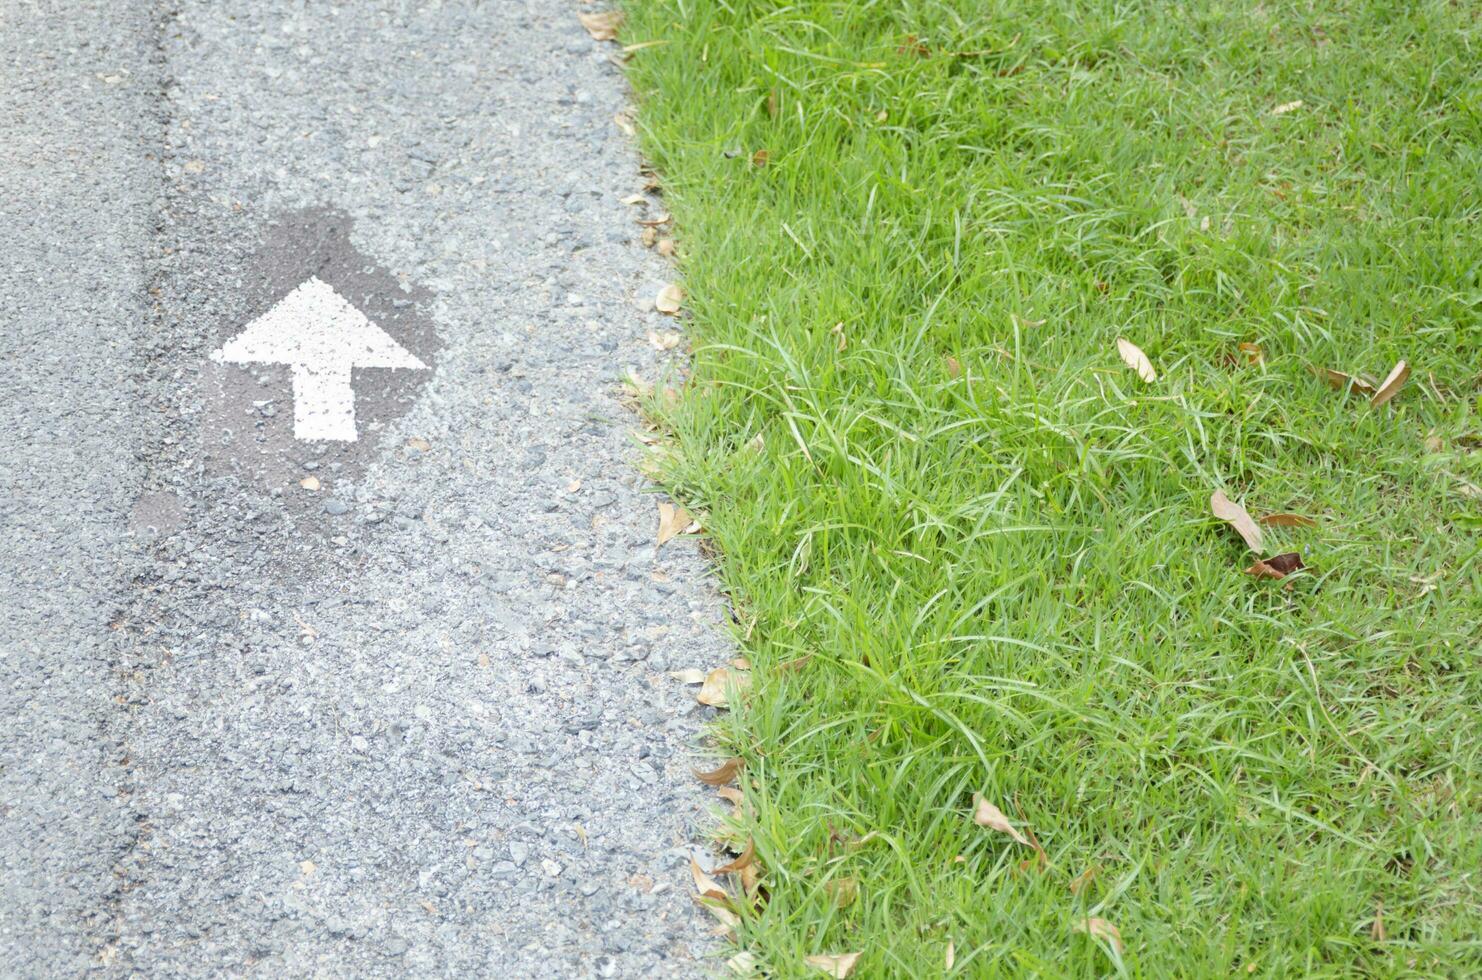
(396,706)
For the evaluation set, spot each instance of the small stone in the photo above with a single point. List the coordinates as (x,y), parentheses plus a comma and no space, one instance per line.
(519,852)
(336,507)
(551,867)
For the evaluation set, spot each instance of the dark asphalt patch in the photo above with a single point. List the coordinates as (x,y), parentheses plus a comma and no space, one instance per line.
(248,430)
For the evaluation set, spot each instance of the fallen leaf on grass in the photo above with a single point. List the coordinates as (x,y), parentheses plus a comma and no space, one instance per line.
(669,300)
(1134,358)
(954,368)
(602,26)
(759,158)
(837,965)
(1286,107)
(649,236)
(1277,566)
(951,957)
(665,247)
(1342,382)
(732,795)
(985,814)
(1235,515)
(674,521)
(843,891)
(1288,520)
(1391,385)
(1101,929)
(718,684)
(624,122)
(791,666)
(1079,882)
(662,219)
(748,855)
(1376,928)
(724,773)
(1253,353)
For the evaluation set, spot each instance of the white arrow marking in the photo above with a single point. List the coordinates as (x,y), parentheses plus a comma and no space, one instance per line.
(316,331)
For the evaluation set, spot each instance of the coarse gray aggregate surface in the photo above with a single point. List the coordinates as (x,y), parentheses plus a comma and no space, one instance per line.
(417,720)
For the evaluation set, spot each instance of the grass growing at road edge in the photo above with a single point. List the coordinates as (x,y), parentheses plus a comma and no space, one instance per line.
(992,542)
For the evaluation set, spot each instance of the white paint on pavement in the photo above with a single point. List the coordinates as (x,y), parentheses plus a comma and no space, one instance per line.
(323,338)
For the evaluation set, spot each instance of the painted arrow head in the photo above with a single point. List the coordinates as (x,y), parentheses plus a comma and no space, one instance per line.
(322,337)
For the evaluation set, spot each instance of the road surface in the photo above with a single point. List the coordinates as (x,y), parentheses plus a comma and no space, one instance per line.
(308,677)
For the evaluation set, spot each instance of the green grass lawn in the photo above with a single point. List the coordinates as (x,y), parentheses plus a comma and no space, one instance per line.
(992,541)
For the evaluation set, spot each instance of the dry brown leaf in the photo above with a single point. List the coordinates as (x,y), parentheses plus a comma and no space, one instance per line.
(751,881)
(718,685)
(1433,443)
(649,236)
(665,247)
(1342,382)
(1253,353)
(1079,882)
(309,483)
(950,960)
(840,340)
(1288,520)
(1101,929)
(602,26)
(1133,357)
(706,886)
(633,199)
(954,368)
(791,666)
(722,774)
(1376,928)
(662,219)
(843,891)
(1286,107)
(1277,566)
(732,795)
(669,300)
(985,814)
(760,158)
(772,103)
(691,675)
(624,122)
(1391,385)
(1235,515)
(837,965)
(674,521)
(748,855)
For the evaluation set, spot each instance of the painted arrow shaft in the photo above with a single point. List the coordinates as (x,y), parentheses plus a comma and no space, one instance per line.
(322,337)
(323,402)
